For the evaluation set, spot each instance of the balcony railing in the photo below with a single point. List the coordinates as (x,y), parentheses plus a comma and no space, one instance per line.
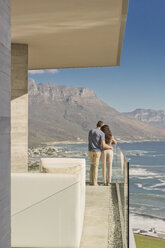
(120,179)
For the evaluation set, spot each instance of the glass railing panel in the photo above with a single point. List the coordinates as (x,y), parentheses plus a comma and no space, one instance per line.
(118,166)
(120,178)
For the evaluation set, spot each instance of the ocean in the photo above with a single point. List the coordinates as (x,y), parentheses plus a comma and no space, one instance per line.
(146,179)
(146,184)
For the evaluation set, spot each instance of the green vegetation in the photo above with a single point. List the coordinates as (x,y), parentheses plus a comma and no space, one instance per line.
(148,242)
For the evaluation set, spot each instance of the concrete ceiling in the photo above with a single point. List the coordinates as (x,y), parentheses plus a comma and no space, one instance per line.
(70,33)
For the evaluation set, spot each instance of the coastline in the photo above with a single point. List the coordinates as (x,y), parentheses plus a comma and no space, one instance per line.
(140,141)
(65,142)
(68,142)
(140,222)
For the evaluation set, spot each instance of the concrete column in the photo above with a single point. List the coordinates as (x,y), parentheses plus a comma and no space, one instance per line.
(19,108)
(5,123)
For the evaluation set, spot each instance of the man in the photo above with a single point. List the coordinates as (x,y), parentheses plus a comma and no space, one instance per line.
(96,142)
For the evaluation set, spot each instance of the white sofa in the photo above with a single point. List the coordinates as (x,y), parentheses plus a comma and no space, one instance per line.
(47,209)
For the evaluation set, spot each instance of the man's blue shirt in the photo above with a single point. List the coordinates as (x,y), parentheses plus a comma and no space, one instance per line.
(94,140)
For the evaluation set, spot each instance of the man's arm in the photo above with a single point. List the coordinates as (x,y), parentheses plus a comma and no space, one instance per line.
(105,146)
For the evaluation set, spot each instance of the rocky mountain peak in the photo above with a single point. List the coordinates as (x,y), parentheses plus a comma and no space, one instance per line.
(54,92)
(150,116)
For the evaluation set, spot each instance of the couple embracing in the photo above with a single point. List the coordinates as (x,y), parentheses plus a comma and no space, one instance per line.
(100,142)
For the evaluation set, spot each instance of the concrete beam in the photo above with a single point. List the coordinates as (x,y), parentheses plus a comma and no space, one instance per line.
(5,123)
(19,108)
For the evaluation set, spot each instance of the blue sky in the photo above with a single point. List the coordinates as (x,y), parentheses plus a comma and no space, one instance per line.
(139,82)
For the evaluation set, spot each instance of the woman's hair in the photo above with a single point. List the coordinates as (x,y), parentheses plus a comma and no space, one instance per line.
(108,133)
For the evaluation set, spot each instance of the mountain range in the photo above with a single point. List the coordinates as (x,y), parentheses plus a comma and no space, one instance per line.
(58,113)
(153,117)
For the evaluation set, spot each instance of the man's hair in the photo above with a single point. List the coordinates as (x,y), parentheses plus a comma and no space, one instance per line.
(100,123)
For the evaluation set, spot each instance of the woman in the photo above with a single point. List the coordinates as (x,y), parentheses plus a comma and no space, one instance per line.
(107,155)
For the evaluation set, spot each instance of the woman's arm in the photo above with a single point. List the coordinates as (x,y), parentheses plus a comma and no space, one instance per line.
(114,142)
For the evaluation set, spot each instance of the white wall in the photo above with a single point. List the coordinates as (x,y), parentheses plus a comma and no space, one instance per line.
(47,209)
(5,123)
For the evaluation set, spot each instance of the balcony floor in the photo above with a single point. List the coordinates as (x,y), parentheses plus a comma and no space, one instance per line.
(102,221)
